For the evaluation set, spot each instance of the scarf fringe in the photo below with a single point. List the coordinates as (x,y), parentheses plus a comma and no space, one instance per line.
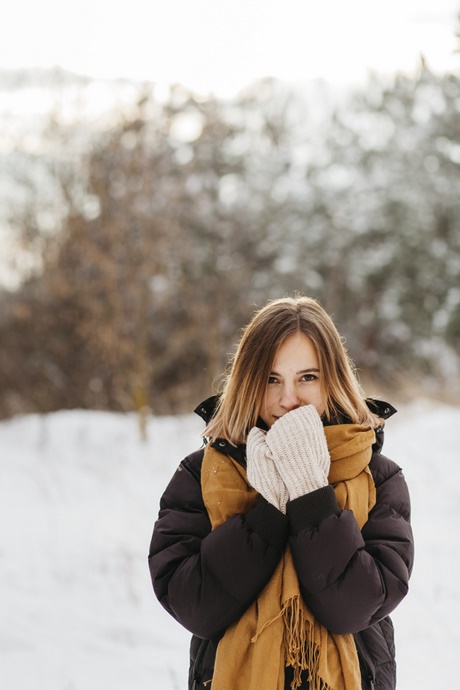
(302,654)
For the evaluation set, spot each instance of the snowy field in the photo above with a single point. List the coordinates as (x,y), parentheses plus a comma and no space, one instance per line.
(79,493)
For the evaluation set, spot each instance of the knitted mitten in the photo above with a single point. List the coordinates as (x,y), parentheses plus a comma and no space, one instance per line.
(261,471)
(299,450)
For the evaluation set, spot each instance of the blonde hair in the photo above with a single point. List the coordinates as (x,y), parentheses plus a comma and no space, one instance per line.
(245,386)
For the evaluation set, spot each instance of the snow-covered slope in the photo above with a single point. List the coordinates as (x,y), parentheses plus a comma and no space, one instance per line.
(79,493)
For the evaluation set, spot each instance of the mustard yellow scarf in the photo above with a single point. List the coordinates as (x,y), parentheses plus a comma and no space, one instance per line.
(278,630)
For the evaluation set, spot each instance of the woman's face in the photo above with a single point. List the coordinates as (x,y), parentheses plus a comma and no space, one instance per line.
(294,380)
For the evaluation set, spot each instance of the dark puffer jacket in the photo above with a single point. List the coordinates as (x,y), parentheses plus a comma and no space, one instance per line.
(350,579)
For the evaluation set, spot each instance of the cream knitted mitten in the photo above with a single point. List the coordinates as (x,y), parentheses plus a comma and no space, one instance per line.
(261,470)
(298,447)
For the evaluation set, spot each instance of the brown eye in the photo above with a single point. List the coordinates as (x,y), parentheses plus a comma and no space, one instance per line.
(309,377)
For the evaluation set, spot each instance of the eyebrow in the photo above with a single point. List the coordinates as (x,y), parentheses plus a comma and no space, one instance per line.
(302,371)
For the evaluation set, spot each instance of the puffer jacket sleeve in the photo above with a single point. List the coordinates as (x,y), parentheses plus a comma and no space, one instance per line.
(207,579)
(349,578)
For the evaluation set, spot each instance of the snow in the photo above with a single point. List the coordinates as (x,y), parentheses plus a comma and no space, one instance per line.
(79,494)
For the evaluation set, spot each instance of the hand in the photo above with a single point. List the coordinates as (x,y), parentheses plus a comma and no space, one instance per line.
(298,447)
(261,470)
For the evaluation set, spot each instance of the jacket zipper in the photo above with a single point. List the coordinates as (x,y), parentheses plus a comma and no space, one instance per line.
(370,676)
(196,678)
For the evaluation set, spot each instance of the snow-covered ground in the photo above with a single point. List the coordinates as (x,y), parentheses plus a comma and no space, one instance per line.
(79,493)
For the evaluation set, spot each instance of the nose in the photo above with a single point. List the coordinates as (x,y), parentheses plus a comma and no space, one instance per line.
(289,399)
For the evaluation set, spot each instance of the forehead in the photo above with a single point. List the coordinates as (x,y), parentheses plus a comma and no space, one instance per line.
(297,351)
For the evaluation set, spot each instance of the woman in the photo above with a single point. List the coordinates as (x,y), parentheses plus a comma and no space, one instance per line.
(284,544)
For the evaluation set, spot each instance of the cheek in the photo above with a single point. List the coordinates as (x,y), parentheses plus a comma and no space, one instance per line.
(315,398)
(266,401)
(321,403)
(320,406)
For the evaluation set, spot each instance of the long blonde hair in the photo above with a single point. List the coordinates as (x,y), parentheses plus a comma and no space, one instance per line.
(245,386)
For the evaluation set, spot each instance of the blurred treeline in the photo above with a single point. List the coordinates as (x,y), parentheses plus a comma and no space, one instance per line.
(149,241)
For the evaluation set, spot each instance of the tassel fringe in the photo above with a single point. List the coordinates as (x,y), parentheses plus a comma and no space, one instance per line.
(302,654)
(301,651)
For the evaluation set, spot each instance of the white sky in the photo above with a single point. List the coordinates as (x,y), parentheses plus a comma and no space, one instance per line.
(221,45)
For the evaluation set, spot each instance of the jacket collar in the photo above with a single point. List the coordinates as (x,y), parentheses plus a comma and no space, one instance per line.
(206,409)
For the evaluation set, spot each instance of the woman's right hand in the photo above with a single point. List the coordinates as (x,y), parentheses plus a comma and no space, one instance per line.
(298,448)
(262,472)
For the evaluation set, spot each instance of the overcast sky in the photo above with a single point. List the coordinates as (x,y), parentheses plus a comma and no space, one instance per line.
(220,45)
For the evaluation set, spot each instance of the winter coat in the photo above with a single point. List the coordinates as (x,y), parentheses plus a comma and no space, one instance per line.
(350,580)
